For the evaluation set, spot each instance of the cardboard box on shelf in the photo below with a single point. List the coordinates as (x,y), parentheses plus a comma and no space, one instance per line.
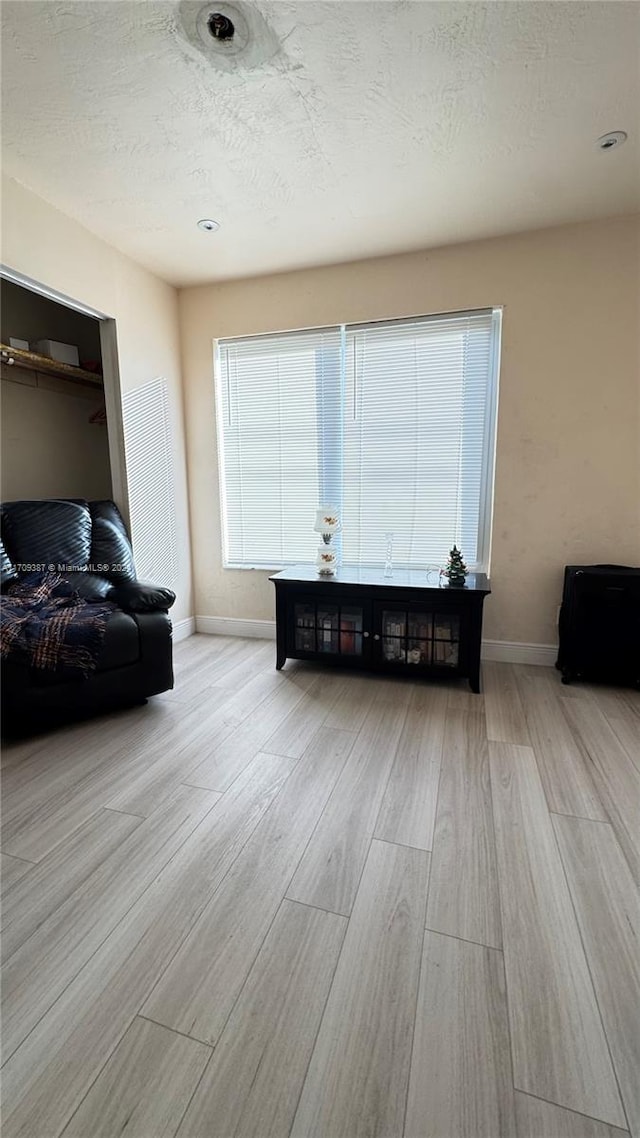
(63,353)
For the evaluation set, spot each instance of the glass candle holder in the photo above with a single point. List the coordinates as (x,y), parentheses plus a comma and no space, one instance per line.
(388,554)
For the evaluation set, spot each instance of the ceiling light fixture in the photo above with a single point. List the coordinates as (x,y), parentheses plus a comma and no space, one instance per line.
(611,139)
(208,224)
(220,26)
(232,35)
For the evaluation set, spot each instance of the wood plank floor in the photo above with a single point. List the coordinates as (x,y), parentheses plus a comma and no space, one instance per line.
(323,905)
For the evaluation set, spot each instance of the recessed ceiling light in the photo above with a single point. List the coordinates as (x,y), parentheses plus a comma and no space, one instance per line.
(208,224)
(220,26)
(613,138)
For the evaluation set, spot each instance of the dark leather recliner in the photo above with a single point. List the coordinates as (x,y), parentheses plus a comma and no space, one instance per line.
(90,540)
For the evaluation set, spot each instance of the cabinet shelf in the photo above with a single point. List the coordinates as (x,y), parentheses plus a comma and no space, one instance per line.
(34,362)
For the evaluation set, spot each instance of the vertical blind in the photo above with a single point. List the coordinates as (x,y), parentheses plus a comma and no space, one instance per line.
(148,448)
(393,423)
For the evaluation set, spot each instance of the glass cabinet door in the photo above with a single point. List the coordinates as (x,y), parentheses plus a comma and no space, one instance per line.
(419,637)
(351,630)
(305,624)
(337,628)
(406,636)
(446,640)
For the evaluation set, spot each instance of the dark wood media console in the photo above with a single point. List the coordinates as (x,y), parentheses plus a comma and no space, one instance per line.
(360,618)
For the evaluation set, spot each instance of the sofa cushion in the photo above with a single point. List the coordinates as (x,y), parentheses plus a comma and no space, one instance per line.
(110,545)
(121,644)
(120,648)
(90,586)
(47,533)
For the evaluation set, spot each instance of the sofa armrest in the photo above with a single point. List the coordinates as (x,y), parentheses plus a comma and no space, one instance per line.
(137,596)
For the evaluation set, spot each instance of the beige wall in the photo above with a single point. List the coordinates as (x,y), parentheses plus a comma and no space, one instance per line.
(49,447)
(51,248)
(568,469)
(568,458)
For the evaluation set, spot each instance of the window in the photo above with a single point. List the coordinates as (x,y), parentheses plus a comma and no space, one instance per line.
(147,435)
(394,423)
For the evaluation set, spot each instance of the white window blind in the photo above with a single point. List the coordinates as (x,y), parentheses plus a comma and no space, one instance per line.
(392,422)
(277,397)
(148,447)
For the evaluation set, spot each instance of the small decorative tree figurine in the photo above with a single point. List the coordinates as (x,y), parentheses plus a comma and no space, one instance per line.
(456,570)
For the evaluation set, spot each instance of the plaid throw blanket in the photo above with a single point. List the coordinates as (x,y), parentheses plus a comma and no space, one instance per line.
(46,624)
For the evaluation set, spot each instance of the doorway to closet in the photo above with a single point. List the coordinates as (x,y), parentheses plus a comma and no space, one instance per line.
(62,432)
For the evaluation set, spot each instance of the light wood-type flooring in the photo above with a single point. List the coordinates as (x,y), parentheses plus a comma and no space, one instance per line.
(325,905)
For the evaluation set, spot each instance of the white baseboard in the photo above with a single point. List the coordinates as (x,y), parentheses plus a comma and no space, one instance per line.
(183,628)
(232,626)
(512,652)
(505,651)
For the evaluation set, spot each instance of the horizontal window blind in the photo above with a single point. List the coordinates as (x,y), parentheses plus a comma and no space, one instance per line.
(394,423)
(414,450)
(148,449)
(278,417)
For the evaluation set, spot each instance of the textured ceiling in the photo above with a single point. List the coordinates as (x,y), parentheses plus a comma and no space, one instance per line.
(350,129)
